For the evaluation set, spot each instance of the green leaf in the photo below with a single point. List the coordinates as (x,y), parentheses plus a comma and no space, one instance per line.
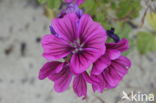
(113,5)
(49,12)
(90,7)
(57,4)
(151,19)
(54,3)
(154,43)
(145,42)
(101,18)
(128,8)
(51,3)
(105,1)
(42,1)
(122,29)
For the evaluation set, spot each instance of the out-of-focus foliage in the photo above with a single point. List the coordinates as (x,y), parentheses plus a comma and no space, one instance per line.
(128,8)
(122,10)
(151,18)
(118,14)
(51,3)
(49,13)
(42,1)
(146,42)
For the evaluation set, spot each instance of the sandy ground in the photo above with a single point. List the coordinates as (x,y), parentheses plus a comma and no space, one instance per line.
(21,25)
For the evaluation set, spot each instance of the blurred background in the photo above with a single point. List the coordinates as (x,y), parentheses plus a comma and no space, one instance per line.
(24,22)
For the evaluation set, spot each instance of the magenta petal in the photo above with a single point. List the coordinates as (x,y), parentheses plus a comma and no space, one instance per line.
(92,37)
(88,78)
(81,61)
(80,86)
(100,83)
(97,88)
(114,75)
(111,82)
(59,68)
(124,61)
(61,80)
(113,54)
(122,45)
(54,48)
(102,63)
(116,71)
(78,2)
(66,27)
(50,67)
(120,69)
(92,34)
(68,1)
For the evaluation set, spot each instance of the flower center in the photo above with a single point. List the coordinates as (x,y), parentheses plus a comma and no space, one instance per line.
(77,46)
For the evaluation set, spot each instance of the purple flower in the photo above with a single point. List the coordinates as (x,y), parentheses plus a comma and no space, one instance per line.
(110,68)
(81,39)
(71,8)
(78,2)
(80,42)
(60,73)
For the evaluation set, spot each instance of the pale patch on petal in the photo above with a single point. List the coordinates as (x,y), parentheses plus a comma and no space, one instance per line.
(113,53)
(124,61)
